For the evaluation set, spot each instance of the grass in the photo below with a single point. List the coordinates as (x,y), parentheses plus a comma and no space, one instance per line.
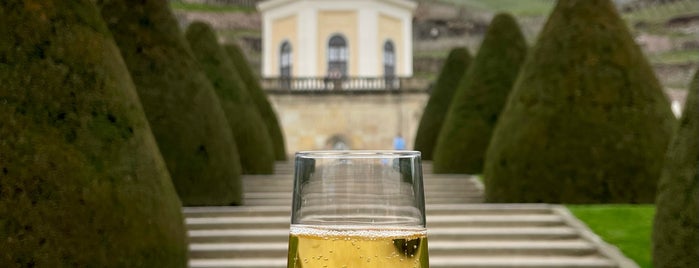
(183,6)
(626,226)
(675,57)
(514,7)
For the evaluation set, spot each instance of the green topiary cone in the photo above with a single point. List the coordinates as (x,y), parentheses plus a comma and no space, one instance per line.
(252,83)
(437,106)
(251,135)
(586,120)
(181,105)
(676,232)
(479,99)
(82,183)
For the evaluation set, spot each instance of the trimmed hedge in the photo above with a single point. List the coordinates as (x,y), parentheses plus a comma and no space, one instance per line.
(252,83)
(181,106)
(82,183)
(437,106)
(675,232)
(479,99)
(586,120)
(251,135)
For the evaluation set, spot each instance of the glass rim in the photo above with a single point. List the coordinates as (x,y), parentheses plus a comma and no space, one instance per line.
(358,154)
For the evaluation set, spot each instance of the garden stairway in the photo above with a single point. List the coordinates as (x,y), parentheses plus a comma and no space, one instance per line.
(462,231)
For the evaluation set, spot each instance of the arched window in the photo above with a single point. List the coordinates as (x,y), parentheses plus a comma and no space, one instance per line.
(389,59)
(285,60)
(337,56)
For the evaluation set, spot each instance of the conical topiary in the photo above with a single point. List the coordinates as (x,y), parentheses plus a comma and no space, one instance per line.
(265,109)
(480,98)
(675,232)
(251,135)
(586,120)
(82,183)
(181,106)
(437,106)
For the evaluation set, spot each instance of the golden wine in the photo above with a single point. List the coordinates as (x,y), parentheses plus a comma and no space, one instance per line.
(327,247)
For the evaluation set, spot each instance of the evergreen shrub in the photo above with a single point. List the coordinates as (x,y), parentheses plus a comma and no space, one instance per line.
(252,83)
(675,229)
(181,105)
(437,106)
(82,183)
(479,99)
(587,120)
(251,135)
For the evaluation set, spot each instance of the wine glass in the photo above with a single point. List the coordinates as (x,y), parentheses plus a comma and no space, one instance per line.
(358,209)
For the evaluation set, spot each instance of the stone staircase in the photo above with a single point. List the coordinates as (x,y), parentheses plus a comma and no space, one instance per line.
(462,231)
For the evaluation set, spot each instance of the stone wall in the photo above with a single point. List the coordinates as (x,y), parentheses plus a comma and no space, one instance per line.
(357,121)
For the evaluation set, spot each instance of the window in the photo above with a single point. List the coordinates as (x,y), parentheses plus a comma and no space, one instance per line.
(337,56)
(389,59)
(389,64)
(285,60)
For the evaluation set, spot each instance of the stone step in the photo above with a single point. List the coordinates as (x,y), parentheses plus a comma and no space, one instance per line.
(288,196)
(511,247)
(428,196)
(435,221)
(449,209)
(247,222)
(288,168)
(231,211)
(238,263)
(238,235)
(435,183)
(460,234)
(436,262)
(431,182)
(521,262)
(279,202)
(281,192)
(426,177)
(501,233)
(436,249)
(488,209)
(435,234)
(453,188)
(290,164)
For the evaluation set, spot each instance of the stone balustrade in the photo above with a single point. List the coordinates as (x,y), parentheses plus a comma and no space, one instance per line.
(345,84)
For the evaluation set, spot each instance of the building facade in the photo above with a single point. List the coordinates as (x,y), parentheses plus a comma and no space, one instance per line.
(337,38)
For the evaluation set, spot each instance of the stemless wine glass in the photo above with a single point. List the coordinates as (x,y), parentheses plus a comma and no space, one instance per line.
(358,209)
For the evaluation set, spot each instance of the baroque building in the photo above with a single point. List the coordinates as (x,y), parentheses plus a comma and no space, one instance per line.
(337,38)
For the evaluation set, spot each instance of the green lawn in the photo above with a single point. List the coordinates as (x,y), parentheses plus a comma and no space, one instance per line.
(626,226)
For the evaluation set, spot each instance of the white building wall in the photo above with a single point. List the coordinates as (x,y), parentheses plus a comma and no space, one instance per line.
(408,44)
(266,46)
(369,55)
(307,30)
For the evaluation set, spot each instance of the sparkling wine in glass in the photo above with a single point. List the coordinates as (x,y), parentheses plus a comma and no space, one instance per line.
(358,209)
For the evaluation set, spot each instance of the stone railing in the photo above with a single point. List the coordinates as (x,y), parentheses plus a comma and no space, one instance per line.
(347,84)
